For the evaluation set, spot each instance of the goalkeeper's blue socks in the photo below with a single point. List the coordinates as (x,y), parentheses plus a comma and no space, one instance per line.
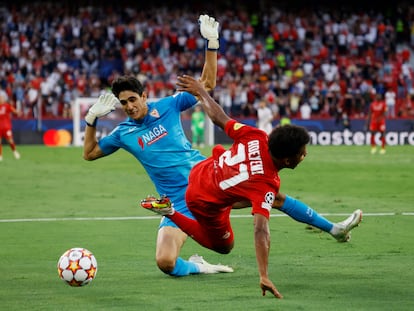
(303,213)
(184,267)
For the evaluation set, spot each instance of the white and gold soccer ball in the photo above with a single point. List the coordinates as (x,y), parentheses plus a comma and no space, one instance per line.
(77,266)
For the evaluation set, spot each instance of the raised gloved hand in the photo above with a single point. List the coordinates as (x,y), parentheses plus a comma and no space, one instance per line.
(105,104)
(209,31)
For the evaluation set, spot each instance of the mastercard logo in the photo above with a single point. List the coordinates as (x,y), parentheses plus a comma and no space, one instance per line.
(57,138)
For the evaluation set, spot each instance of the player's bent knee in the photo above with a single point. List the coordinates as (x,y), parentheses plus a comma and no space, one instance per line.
(224,249)
(165,265)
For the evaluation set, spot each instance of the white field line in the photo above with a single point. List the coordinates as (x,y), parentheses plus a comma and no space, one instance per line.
(158,217)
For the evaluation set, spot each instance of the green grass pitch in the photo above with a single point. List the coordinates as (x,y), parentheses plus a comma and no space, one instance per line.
(51,200)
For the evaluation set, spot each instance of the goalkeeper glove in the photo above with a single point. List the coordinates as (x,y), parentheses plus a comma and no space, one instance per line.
(105,104)
(209,31)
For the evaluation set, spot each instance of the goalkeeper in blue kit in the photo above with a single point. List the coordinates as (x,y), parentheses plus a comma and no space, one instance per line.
(153,134)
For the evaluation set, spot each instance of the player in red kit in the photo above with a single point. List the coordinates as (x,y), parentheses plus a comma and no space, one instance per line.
(376,122)
(6,110)
(245,175)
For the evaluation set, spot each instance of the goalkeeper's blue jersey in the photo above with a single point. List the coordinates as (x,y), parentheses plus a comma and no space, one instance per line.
(159,143)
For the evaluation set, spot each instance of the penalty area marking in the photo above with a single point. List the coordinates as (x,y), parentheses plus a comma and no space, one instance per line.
(158,217)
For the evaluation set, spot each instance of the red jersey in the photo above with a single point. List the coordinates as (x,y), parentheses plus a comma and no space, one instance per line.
(5,116)
(377,110)
(245,172)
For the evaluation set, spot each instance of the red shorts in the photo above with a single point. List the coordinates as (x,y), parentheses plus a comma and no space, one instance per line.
(216,225)
(6,133)
(214,219)
(378,126)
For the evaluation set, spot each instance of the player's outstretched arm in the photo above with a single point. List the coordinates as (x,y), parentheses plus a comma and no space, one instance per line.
(91,150)
(267,286)
(209,31)
(262,245)
(16,112)
(104,105)
(211,107)
(367,121)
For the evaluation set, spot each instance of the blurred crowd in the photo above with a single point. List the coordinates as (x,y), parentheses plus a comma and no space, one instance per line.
(304,62)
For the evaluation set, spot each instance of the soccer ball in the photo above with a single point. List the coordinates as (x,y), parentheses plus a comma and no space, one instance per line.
(77,267)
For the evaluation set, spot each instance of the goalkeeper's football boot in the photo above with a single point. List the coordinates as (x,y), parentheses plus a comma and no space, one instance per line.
(345,227)
(208,268)
(162,206)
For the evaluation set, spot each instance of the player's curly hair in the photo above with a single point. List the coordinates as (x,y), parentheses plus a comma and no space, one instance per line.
(127,83)
(287,140)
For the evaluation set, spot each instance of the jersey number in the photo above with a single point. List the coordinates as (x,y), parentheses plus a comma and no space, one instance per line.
(237,159)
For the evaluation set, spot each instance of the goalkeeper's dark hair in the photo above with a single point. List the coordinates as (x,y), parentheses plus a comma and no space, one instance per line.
(287,140)
(127,83)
